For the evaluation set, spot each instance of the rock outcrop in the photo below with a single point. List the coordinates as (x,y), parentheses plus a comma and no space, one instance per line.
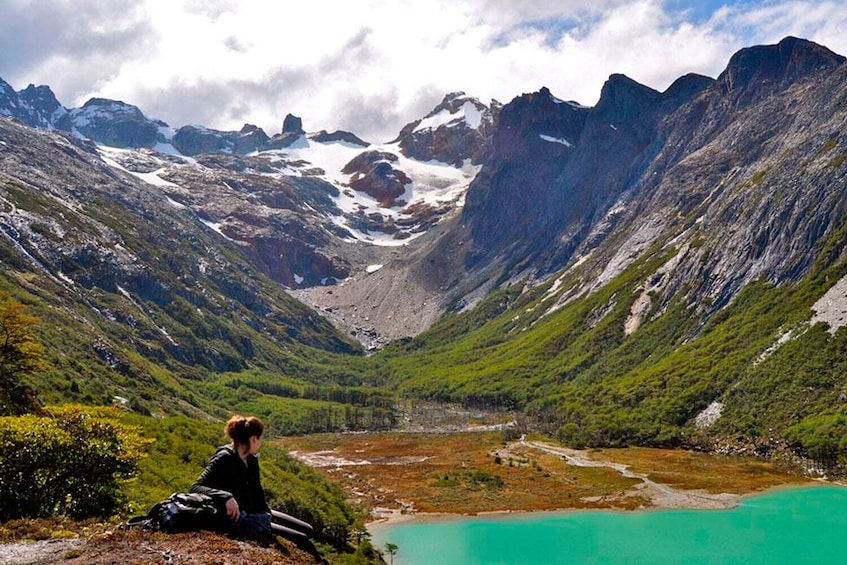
(197,140)
(115,123)
(372,173)
(456,130)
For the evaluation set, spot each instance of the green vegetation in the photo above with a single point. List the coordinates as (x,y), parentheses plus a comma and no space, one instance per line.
(292,406)
(178,453)
(828,146)
(101,462)
(82,462)
(93,359)
(577,374)
(469,479)
(71,462)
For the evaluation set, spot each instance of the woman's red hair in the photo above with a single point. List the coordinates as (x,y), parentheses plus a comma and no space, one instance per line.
(239,429)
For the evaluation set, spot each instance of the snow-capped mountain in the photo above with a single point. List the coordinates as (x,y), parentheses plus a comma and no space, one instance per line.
(459,129)
(336,187)
(36,106)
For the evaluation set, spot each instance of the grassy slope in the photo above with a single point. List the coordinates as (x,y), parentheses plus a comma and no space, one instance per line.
(580,375)
(92,360)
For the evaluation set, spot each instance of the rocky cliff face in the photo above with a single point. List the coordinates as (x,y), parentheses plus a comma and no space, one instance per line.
(510,202)
(734,167)
(747,182)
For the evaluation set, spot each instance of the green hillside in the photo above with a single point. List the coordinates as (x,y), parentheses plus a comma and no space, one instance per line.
(98,359)
(577,374)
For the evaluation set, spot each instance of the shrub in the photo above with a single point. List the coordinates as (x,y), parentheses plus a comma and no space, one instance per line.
(822,437)
(71,462)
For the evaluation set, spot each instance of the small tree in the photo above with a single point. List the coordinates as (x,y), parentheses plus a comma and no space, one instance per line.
(391,548)
(20,356)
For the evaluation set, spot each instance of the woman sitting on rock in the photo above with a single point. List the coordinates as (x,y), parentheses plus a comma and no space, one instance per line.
(232,478)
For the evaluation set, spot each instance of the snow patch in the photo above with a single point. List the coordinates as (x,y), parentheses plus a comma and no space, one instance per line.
(373,268)
(468,113)
(433,183)
(560,140)
(153,178)
(215,227)
(167,148)
(175,204)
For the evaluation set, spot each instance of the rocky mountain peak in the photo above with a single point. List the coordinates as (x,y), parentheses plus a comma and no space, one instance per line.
(292,130)
(113,107)
(43,102)
(454,103)
(195,140)
(115,123)
(36,106)
(457,129)
(537,124)
(687,87)
(623,98)
(324,136)
(514,197)
(292,125)
(250,129)
(756,72)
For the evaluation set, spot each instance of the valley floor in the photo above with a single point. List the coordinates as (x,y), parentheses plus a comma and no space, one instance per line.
(402,474)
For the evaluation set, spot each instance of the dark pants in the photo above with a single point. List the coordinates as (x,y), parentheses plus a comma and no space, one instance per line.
(289,526)
(276,522)
(283,525)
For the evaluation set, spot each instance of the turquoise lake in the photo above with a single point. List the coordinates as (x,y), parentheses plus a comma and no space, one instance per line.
(804,525)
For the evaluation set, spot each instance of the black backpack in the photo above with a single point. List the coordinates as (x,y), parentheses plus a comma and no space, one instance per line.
(182,512)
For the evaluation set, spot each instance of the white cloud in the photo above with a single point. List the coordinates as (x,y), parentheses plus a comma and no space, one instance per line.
(373,65)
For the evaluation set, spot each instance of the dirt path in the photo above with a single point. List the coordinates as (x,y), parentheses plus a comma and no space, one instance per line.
(660,494)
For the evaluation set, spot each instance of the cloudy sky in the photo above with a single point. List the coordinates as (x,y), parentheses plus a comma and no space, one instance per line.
(370,66)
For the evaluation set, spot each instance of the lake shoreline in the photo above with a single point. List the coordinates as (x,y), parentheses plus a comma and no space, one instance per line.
(397,517)
(786,523)
(400,477)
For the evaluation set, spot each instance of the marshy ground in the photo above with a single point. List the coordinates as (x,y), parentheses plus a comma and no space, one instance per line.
(478,472)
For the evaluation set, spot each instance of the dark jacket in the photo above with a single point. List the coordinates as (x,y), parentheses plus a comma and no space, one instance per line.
(227,476)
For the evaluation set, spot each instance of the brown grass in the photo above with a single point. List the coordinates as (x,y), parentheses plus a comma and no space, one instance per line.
(460,473)
(701,471)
